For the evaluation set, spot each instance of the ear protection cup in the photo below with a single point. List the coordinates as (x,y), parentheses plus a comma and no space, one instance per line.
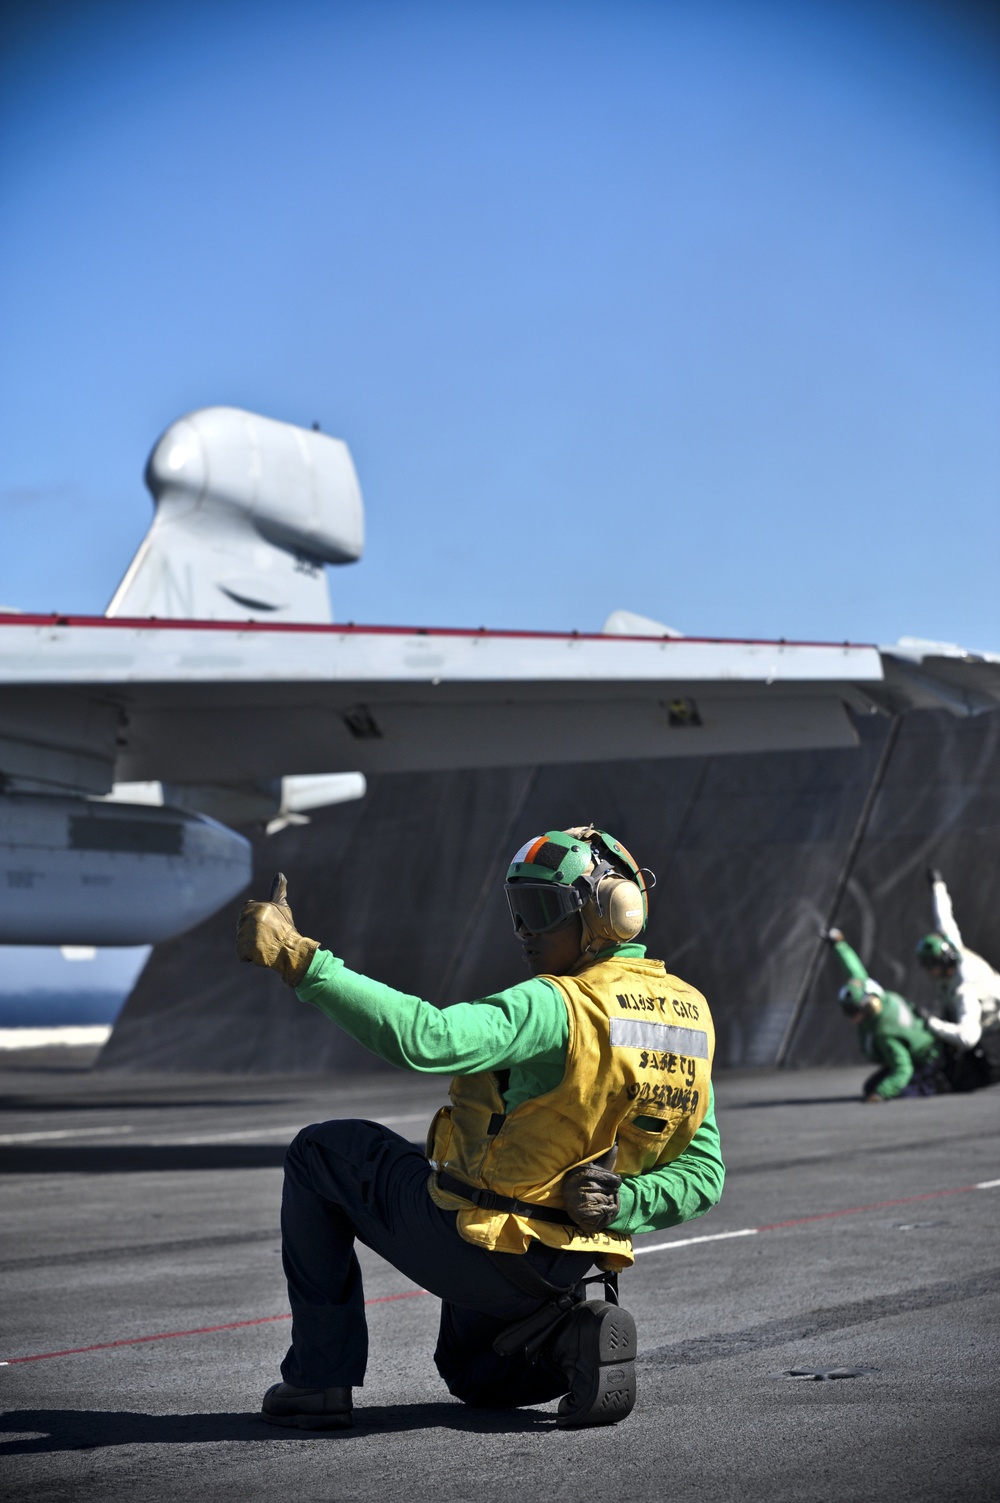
(622,904)
(616,910)
(621,915)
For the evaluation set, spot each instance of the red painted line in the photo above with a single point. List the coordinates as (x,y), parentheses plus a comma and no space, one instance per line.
(350,628)
(877,1205)
(232,1325)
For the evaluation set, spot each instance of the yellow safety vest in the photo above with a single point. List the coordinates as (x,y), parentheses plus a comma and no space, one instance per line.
(638,1068)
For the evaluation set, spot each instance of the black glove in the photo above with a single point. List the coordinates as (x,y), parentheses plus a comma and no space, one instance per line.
(590,1193)
(933,875)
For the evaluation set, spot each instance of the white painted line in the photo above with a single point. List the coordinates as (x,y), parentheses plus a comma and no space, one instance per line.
(778,1226)
(66,1132)
(257,1133)
(254,1133)
(747,1231)
(245,1135)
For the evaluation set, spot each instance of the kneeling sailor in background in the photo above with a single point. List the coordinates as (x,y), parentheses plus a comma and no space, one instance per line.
(969,993)
(891,1033)
(581,1114)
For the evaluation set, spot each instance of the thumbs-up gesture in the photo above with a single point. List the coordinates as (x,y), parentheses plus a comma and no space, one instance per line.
(266,935)
(590,1192)
(279,895)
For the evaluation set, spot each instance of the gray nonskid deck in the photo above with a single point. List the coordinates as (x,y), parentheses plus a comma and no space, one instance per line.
(156,1212)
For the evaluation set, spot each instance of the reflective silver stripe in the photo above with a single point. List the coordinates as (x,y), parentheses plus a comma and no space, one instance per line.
(630,1033)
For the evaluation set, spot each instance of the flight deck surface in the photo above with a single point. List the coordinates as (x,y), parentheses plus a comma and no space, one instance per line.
(144,1211)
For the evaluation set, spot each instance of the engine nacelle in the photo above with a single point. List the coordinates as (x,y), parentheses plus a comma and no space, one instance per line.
(82,872)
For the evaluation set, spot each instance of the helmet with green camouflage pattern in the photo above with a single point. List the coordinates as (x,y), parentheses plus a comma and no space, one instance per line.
(585,871)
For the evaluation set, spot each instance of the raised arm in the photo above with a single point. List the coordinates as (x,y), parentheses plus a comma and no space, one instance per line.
(523,1023)
(944,916)
(848,957)
(508,1028)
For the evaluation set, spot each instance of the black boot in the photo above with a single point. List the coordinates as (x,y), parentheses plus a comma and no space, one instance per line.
(307,1408)
(595,1347)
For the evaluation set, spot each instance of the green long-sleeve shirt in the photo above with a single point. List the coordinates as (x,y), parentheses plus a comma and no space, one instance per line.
(893,1035)
(524,1030)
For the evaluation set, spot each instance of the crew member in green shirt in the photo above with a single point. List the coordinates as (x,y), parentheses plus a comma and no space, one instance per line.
(581,1113)
(890,1032)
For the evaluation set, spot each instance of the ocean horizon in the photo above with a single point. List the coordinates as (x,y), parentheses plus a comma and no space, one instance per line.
(51,1008)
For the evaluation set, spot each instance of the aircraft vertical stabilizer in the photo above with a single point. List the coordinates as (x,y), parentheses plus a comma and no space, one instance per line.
(248,510)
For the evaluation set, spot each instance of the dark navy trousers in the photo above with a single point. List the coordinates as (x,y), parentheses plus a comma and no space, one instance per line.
(358,1180)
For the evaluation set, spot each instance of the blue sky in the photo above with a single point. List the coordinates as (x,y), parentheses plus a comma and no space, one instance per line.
(685,307)
(689,307)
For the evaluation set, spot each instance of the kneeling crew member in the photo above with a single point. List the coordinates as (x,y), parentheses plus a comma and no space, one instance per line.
(581,1114)
(891,1033)
(969,992)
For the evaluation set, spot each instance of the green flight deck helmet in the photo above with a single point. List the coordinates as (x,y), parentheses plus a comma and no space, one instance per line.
(934,950)
(855,995)
(583,870)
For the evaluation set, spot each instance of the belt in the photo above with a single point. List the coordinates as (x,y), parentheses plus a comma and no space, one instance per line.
(489,1200)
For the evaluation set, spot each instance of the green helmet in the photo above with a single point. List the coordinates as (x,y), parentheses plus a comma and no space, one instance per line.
(559,874)
(854,994)
(540,880)
(934,949)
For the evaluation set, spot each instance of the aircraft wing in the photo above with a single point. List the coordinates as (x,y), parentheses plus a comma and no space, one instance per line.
(86,702)
(212,707)
(938,676)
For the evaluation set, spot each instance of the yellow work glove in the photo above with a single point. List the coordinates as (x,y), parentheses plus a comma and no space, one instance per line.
(266,935)
(590,1192)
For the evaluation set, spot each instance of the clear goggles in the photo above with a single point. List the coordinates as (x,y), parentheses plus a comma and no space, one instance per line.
(537,907)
